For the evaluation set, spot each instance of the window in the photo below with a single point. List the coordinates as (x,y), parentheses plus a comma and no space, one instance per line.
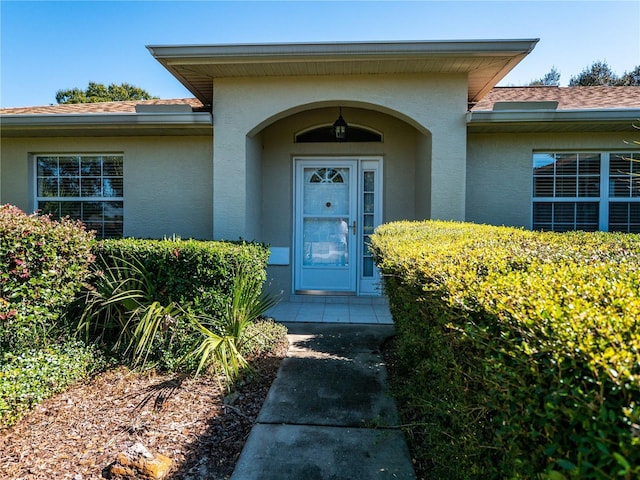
(624,192)
(325,134)
(586,191)
(83,187)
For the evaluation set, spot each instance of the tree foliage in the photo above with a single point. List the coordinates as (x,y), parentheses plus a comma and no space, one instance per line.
(598,73)
(631,78)
(98,92)
(550,79)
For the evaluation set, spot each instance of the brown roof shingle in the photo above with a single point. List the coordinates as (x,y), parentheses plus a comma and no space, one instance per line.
(101,107)
(568,98)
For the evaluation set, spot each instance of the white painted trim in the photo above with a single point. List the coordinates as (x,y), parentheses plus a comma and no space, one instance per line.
(245,53)
(95,119)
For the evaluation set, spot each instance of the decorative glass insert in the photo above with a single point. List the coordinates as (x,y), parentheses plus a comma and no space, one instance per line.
(326,175)
(84,187)
(326,211)
(368,217)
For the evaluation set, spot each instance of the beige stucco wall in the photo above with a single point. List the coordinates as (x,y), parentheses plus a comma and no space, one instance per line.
(167,180)
(433,105)
(499,170)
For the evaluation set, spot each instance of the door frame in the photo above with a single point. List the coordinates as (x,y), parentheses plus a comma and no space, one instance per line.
(365,285)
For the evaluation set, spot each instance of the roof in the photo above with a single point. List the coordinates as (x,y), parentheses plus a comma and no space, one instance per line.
(568,98)
(128,106)
(556,109)
(185,116)
(503,109)
(485,62)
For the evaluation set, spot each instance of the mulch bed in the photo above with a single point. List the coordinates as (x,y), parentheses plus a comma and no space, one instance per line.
(77,434)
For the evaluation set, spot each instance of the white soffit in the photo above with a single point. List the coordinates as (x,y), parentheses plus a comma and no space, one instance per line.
(485,62)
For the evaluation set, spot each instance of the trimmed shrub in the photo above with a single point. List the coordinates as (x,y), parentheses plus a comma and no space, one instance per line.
(198,273)
(519,350)
(152,301)
(43,264)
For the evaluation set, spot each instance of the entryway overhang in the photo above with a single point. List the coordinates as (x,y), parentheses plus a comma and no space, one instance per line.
(485,62)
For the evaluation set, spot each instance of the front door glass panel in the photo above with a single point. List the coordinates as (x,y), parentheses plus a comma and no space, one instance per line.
(326,212)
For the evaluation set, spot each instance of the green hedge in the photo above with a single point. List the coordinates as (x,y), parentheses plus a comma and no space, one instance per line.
(42,266)
(190,276)
(189,272)
(519,351)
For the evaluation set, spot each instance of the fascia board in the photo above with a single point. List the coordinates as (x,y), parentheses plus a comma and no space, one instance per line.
(523,116)
(196,119)
(280,51)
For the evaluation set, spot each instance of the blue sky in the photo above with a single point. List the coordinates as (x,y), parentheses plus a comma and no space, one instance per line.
(51,45)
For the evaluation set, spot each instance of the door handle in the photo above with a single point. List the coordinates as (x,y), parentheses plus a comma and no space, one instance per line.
(354,227)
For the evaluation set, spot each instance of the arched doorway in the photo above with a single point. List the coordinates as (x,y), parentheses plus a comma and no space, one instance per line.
(314,188)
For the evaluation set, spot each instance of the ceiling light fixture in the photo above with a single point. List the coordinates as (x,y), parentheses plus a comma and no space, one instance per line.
(340,127)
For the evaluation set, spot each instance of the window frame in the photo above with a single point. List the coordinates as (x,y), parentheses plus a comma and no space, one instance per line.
(604,199)
(331,139)
(38,199)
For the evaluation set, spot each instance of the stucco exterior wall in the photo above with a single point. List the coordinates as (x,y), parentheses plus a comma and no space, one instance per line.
(167,180)
(500,170)
(434,105)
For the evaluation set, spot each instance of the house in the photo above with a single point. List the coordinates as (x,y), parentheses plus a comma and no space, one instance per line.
(308,147)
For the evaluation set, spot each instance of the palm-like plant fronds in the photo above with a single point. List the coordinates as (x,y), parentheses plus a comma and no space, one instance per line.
(116,291)
(222,350)
(122,309)
(146,323)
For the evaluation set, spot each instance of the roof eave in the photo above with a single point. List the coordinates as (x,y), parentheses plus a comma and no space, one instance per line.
(106,123)
(177,57)
(550,120)
(241,53)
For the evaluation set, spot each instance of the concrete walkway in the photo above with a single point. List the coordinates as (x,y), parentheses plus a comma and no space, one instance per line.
(328,414)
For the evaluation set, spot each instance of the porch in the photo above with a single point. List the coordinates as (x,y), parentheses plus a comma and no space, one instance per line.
(332,309)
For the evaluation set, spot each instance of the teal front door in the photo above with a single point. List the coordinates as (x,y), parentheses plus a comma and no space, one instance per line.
(337,206)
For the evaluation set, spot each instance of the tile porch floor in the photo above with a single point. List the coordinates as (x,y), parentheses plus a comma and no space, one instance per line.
(329,309)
